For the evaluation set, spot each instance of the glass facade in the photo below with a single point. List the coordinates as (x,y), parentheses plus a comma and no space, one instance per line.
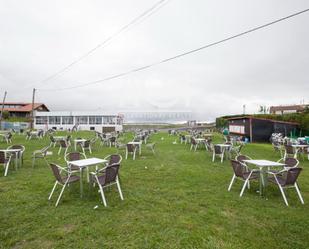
(95,119)
(41,120)
(67,120)
(54,119)
(81,120)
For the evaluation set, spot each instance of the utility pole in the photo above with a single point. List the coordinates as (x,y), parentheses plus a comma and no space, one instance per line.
(4,97)
(244,109)
(32,109)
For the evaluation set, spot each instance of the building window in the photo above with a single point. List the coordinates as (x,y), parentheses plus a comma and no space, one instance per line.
(54,120)
(40,120)
(108,119)
(95,120)
(81,120)
(67,120)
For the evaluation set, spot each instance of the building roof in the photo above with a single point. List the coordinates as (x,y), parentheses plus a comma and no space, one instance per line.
(266,119)
(75,113)
(288,108)
(23,107)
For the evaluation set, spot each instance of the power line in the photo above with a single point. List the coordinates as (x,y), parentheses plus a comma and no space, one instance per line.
(182,54)
(158,5)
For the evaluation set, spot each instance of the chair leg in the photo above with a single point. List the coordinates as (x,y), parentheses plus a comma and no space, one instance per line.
(59,150)
(134,155)
(232,181)
(299,194)
(243,187)
(102,195)
(222,156)
(60,194)
(119,189)
(51,193)
(126,154)
(6,169)
(283,195)
(191,146)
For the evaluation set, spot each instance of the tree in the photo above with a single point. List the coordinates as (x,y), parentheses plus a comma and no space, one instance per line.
(5,114)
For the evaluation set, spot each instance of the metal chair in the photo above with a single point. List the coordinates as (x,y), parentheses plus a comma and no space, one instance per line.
(86,146)
(218,151)
(242,172)
(61,180)
(63,145)
(106,177)
(131,148)
(37,154)
(20,154)
(286,178)
(5,159)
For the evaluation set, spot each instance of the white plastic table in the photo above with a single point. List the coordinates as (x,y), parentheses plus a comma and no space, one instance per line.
(17,158)
(139,144)
(76,141)
(262,164)
(84,163)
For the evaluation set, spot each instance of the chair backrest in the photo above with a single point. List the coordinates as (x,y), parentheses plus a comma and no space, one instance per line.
(52,139)
(114,159)
(17,146)
(193,141)
(112,139)
(86,144)
(218,149)
(2,157)
(292,175)
(130,147)
(9,135)
(289,149)
(241,158)
(291,162)
(73,156)
(63,143)
(56,172)
(238,168)
(68,138)
(111,173)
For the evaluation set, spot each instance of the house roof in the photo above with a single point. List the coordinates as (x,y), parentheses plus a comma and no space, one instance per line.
(266,119)
(23,107)
(287,108)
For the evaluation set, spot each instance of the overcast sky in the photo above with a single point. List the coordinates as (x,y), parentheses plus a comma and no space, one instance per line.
(268,67)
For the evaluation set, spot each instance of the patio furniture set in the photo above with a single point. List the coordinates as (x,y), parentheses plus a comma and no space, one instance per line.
(283,173)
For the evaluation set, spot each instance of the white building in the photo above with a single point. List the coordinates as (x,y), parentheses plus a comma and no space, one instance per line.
(65,120)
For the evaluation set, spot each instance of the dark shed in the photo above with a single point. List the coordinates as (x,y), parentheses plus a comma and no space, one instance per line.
(259,129)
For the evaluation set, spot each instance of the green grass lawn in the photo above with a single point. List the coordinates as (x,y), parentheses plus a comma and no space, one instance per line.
(174,199)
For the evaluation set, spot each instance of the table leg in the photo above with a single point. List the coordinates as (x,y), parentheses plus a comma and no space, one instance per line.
(262,182)
(81,182)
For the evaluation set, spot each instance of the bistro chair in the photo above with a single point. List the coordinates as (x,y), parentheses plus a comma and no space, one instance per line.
(193,144)
(242,172)
(106,177)
(74,156)
(8,137)
(290,151)
(40,154)
(5,159)
(151,147)
(112,141)
(61,180)
(86,146)
(63,145)
(52,141)
(182,139)
(20,154)
(131,148)
(218,151)
(28,135)
(286,178)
